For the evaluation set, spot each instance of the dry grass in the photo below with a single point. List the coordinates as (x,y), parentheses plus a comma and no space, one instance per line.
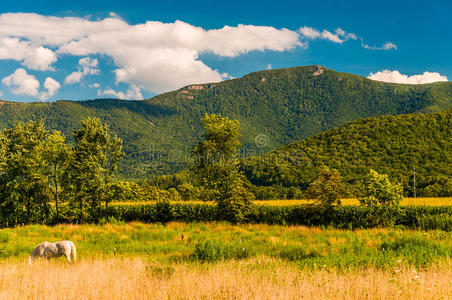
(259,278)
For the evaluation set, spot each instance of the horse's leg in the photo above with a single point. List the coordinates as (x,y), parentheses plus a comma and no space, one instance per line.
(68,255)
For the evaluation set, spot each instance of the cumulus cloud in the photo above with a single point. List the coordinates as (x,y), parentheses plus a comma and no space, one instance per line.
(22,83)
(340,36)
(133,92)
(31,56)
(154,56)
(87,66)
(52,87)
(397,77)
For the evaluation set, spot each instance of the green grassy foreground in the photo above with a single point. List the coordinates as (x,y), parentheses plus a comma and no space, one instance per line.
(312,248)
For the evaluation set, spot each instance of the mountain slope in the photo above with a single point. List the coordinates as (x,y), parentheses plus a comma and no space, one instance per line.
(392,145)
(277,106)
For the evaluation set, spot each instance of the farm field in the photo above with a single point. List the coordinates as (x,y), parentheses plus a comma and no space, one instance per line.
(220,260)
(425,201)
(432,201)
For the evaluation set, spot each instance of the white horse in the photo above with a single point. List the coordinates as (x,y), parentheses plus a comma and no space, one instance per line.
(51,250)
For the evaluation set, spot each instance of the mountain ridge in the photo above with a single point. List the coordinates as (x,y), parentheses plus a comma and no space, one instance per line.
(284,105)
(392,145)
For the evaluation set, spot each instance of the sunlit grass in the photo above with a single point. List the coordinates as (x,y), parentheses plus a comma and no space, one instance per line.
(427,201)
(255,278)
(310,247)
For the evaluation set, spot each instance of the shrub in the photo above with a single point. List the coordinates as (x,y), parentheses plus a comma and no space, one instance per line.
(417,250)
(211,251)
(296,253)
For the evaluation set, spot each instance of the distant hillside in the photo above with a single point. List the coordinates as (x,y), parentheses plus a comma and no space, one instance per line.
(388,144)
(280,106)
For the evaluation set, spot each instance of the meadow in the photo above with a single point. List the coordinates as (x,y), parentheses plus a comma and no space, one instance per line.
(223,261)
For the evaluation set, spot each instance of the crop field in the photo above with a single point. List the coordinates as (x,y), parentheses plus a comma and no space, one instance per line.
(224,261)
(431,201)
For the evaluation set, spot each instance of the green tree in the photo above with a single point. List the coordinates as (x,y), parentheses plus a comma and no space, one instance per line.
(95,158)
(55,153)
(23,183)
(327,188)
(379,191)
(217,167)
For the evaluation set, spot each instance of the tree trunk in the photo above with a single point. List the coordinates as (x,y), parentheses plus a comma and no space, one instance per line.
(56,193)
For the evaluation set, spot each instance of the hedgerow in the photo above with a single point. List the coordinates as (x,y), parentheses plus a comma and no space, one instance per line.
(345,217)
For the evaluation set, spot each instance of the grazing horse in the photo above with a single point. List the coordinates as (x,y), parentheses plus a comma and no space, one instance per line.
(50,250)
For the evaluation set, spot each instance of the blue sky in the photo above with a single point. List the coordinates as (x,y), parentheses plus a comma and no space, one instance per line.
(115,53)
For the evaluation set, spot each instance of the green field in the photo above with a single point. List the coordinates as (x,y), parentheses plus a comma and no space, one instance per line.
(224,261)
(209,242)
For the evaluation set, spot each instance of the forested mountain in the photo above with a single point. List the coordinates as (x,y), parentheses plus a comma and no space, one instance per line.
(393,145)
(276,106)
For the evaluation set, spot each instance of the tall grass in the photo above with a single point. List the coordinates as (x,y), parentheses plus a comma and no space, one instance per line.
(258,278)
(307,247)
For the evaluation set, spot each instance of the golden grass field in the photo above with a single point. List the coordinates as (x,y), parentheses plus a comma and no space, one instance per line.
(257,278)
(152,261)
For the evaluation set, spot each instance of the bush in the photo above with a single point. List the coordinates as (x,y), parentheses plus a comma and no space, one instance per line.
(418,250)
(211,251)
(296,253)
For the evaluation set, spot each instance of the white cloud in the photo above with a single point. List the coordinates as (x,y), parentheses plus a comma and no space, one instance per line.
(22,83)
(52,87)
(154,56)
(397,77)
(340,36)
(386,46)
(74,77)
(87,66)
(310,32)
(33,57)
(96,85)
(389,46)
(133,92)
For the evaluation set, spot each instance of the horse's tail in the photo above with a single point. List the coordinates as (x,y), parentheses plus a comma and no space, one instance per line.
(73,252)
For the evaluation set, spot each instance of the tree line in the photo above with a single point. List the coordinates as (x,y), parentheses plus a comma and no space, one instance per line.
(39,168)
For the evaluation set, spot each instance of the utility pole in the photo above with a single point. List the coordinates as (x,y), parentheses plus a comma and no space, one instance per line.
(414,181)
